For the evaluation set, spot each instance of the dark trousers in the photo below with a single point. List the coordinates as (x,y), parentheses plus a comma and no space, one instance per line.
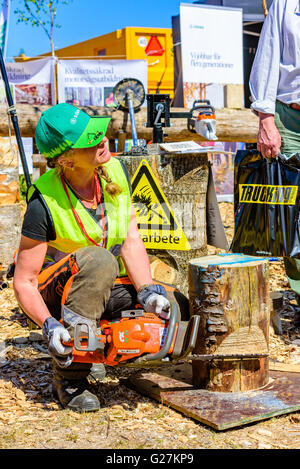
(87,283)
(287,121)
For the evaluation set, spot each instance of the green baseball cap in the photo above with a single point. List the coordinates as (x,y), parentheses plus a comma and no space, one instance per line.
(64,126)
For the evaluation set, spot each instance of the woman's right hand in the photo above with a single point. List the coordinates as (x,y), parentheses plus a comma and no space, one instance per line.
(55,334)
(268,138)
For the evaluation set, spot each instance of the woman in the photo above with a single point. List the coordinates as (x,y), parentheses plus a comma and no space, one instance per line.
(80,256)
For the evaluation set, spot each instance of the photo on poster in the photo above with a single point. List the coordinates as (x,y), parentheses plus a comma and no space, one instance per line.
(109,99)
(83,96)
(34,94)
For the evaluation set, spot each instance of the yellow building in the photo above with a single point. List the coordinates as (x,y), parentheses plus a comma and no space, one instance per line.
(153,44)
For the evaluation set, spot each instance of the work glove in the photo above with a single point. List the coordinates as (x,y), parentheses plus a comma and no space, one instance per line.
(154,300)
(54,333)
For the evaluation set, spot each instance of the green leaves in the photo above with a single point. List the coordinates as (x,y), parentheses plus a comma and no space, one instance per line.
(39,13)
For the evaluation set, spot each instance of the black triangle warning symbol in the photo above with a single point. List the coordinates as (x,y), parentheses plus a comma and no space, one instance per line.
(156,221)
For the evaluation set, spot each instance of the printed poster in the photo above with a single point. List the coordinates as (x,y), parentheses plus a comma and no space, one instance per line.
(31,82)
(211,51)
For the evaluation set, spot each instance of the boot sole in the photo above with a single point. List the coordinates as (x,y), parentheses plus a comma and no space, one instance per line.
(74,408)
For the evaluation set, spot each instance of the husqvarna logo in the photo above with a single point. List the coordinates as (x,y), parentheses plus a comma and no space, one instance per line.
(122,337)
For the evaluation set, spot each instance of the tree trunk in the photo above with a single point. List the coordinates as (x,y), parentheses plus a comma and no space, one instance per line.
(232,125)
(231,294)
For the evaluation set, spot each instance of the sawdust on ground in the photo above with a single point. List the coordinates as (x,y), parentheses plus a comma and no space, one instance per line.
(31,418)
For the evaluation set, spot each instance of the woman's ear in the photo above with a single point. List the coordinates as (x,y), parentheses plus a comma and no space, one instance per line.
(65,162)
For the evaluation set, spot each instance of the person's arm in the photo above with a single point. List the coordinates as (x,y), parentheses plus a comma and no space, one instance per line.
(151,296)
(30,259)
(135,257)
(264,80)
(268,138)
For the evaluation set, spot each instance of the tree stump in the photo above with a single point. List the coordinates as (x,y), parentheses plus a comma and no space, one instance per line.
(10,232)
(231,294)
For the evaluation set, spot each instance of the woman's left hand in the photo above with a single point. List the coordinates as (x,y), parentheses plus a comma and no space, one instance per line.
(158,304)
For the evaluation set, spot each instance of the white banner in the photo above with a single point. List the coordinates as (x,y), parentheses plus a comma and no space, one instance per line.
(211,51)
(31,82)
(91,82)
(212,44)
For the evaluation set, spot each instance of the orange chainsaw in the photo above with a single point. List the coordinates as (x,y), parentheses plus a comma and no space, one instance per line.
(136,338)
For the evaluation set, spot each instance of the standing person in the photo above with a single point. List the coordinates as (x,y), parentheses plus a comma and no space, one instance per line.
(80,256)
(275,90)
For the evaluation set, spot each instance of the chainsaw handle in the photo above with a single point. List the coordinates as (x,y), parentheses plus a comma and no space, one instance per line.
(174,317)
(202,104)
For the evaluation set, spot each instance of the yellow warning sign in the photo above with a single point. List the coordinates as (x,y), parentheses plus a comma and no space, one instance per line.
(157,224)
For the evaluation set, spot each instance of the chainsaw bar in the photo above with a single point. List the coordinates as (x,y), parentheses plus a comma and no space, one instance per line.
(246,356)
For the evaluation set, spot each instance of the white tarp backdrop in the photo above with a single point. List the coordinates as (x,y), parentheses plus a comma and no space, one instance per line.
(91,82)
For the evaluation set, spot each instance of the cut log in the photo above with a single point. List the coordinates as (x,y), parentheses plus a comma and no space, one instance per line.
(231,294)
(183,180)
(233,125)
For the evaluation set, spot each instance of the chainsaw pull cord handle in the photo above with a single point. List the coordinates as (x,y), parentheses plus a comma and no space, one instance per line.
(174,318)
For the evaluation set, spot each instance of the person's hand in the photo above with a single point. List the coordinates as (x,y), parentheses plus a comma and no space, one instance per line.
(55,333)
(154,300)
(268,138)
(159,305)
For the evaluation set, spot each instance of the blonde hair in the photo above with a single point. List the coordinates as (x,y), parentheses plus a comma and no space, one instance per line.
(111,187)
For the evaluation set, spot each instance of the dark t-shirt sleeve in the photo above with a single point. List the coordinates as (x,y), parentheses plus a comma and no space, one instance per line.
(37,223)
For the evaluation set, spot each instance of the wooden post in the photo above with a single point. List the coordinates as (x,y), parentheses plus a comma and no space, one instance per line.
(121,141)
(39,166)
(233,125)
(231,294)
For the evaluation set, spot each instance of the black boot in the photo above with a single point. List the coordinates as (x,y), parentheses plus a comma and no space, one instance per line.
(70,387)
(296,320)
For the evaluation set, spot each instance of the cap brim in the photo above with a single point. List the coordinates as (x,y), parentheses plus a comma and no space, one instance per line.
(93,133)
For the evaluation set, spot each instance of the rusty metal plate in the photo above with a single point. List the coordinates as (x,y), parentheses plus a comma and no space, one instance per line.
(173,387)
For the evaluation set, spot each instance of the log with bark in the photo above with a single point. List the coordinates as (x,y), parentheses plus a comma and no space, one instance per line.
(10,211)
(231,294)
(233,125)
